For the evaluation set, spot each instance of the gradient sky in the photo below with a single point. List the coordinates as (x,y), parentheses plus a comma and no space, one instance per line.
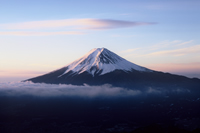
(39,36)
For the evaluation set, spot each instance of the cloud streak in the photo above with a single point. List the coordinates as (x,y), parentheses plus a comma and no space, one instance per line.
(75,23)
(173,48)
(177,52)
(129,50)
(72,26)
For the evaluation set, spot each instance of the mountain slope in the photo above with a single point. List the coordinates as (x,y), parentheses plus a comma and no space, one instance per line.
(101,66)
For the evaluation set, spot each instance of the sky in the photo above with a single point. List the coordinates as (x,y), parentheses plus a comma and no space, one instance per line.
(40,36)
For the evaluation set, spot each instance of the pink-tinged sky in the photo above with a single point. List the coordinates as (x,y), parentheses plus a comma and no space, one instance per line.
(39,36)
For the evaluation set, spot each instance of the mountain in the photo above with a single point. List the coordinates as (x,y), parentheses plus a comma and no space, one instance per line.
(101,66)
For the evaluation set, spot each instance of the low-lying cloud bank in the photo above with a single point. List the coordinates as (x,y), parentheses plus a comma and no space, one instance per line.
(51,90)
(41,89)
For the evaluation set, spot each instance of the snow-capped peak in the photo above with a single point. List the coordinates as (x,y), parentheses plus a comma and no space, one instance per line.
(101,61)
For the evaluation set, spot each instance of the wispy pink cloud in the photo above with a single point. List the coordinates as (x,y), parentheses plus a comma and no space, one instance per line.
(68,26)
(86,23)
(32,33)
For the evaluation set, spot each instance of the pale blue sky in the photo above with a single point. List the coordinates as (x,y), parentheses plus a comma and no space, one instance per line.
(42,35)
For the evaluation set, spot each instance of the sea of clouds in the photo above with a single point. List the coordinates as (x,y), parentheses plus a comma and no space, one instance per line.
(52,90)
(42,89)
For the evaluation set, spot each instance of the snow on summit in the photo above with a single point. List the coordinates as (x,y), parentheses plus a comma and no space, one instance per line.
(101,61)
